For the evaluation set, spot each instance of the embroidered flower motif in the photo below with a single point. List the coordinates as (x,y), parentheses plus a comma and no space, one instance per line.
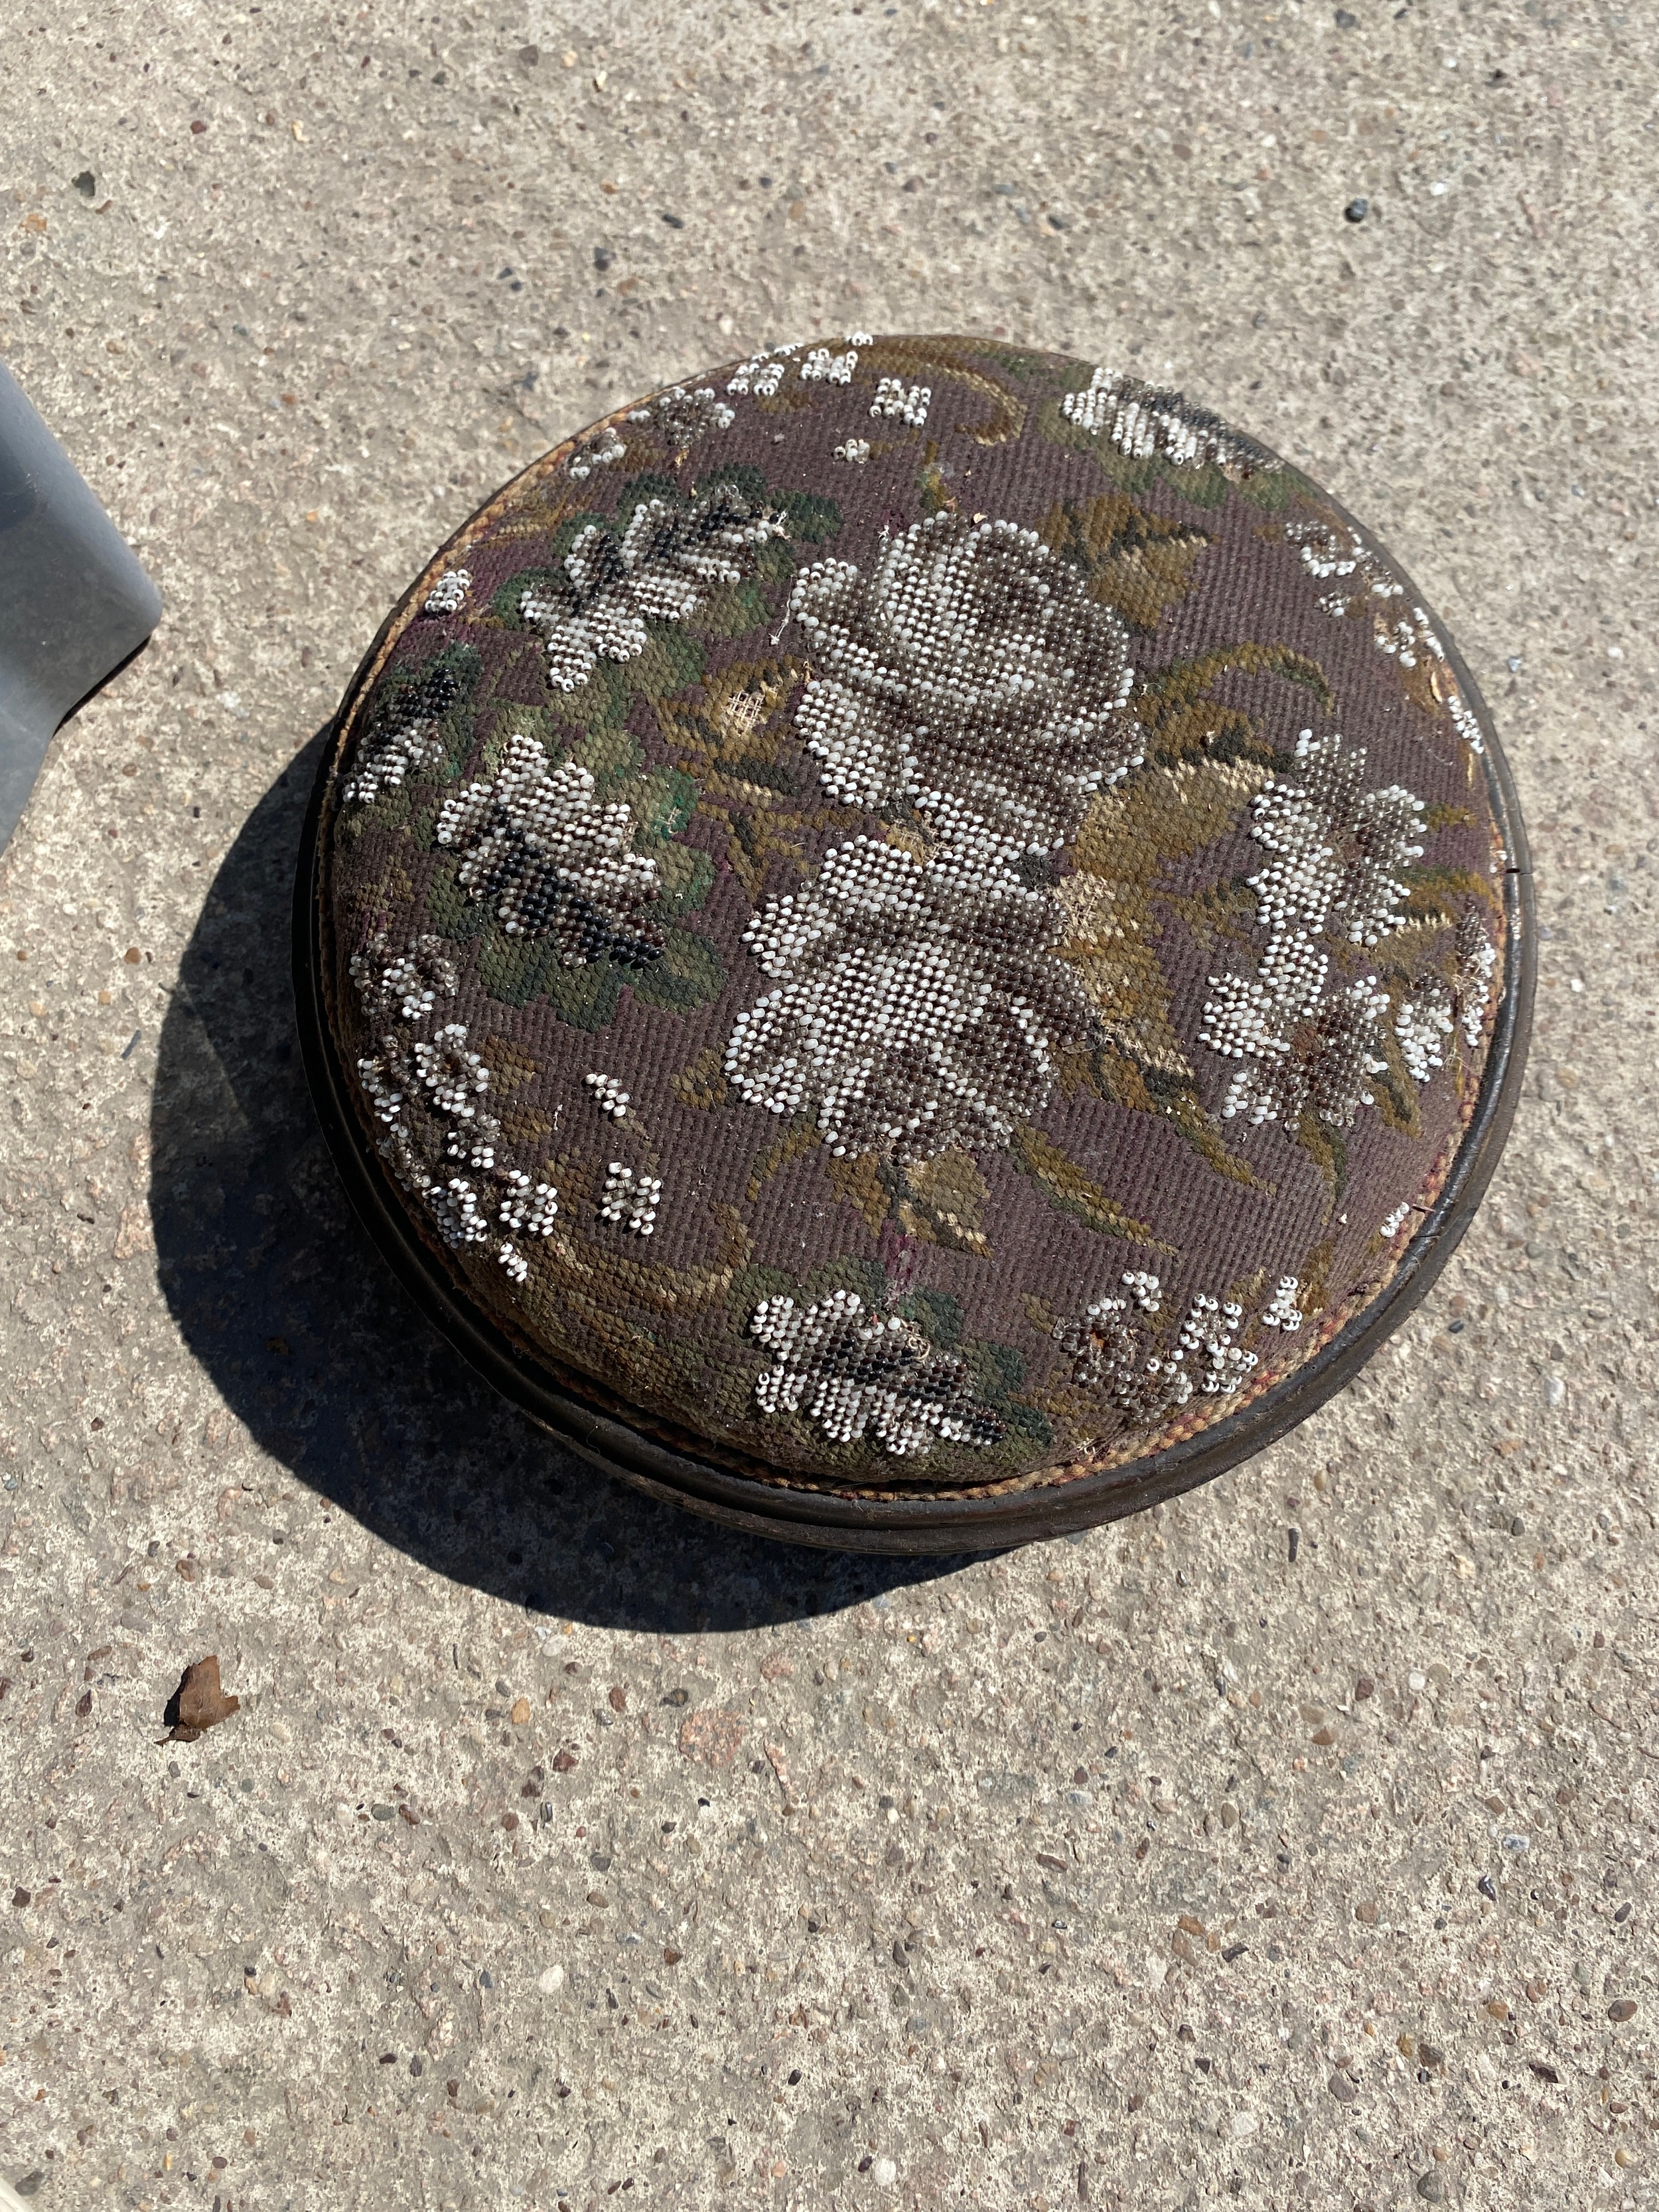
(1114,1351)
(1283,1311)
(608,1095)
(448,595)
(855,1375)
(442,1084)
(971,674)
(1477,958)
(822,367)
(898,402)
(405,986)
(1422,1024)
(630,1198)
(458,1209)
(456,1078)
(1339,853)
(532,1207)
(407,738)
(602,450)
(683,416)
(1360,581)
(548,856)
(1302,1050)
(1143,420)
(921,1007)
(763,373)
(667,562)
(1340,849)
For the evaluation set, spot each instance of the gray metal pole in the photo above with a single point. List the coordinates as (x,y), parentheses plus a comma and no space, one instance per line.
(74,602)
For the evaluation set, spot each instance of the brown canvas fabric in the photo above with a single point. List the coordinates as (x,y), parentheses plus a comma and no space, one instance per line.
(917,914)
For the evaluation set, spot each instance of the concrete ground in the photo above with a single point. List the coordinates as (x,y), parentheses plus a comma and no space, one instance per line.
(563,1847)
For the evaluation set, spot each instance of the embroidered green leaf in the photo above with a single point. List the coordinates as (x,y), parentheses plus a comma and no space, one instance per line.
(1064,1183)
(1137,561)
(688,876)
(1181,717)
(687,974)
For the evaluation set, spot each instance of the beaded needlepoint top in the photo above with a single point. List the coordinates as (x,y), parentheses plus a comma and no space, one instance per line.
(913,915)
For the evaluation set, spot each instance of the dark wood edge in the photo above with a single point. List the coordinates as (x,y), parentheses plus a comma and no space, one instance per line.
(917,1525)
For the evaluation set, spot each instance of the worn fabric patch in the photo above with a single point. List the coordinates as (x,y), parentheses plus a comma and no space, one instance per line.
(915,912)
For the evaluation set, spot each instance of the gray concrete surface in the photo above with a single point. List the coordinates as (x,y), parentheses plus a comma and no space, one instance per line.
(561,1849)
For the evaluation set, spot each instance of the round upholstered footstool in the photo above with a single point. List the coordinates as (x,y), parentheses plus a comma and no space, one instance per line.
(915,944)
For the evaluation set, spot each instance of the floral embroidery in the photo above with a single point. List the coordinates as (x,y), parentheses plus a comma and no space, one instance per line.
(527,1205)
(1339,849)
(822,367)
(1143,420)
(446,1083)
(546,855)
(921,1006)
(1282,1311)
(1422,1025)
(1338,854)
(448,595)
(907,406)
(662,567)
(1361,583)
(1114,1351)
(407,987)
(630,1198)
(1303,1050)
(602,450)
(970,674)
(1477,962)
(854,1374)
(763,374)
(683,416)
(408,737)
(608,1095)
(982,867)
(456,1078)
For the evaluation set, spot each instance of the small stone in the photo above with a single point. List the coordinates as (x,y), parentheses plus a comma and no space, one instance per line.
(1357,211)
(678,1697)
(1346,20)
(672,1957)
(1622,2009)
(520,1711)
(1487,1888)
(87,184)
(1430,2188)
(1364,1687)
(20,1897)
(1544,2072)
(1342,2089)
(198,1703)
(1431,2055)
(1367,1912)
(617,1698)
